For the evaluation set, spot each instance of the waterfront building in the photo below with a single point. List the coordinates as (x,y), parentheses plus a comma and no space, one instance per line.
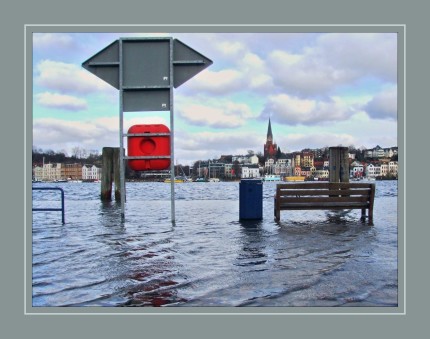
(297,159)
(73,171)
(393,168)
(322,173)
(373,170)
(38,173)
(250,172)
(307,159)
(91,172)
(356,170)
(379,152)
(48,172)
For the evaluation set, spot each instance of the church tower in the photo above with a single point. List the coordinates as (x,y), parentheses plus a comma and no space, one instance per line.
(270,148)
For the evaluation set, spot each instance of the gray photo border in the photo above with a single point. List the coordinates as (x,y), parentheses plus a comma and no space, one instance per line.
(413,16)
(218,28)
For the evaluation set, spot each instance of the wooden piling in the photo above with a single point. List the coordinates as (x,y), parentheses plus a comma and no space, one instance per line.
(339,164)
(110,174)
(107,169)
(117,174)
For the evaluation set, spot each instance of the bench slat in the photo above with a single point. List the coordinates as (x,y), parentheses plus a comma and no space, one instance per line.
(321,200)
(326,206)
(301,192)
(320,185)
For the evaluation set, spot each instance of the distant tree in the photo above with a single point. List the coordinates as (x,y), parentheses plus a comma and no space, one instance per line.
(196,172)
(63,151)
(278,153)
(325,152)
(236,169)
(260,157)
(84,153)
(76,152)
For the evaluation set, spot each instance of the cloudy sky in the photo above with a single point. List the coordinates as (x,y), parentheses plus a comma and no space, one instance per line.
(319,89)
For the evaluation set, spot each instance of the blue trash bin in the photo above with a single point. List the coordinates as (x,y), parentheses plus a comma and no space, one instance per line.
(251,199)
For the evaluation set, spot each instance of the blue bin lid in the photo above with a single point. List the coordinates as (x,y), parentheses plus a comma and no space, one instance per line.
(249,181)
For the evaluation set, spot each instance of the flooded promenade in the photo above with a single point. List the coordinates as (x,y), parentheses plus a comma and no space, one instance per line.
(209,257)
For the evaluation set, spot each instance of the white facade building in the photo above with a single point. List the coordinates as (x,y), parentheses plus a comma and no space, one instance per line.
(91,172)
(373,171)
(250,172)
(356,170)
(253,159)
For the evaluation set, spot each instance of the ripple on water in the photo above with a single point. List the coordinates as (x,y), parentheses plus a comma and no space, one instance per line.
(209,257)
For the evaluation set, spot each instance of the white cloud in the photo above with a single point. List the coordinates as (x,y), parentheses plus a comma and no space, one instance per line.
(298,141)
(190,147)
(48,40)
(334,60)
(50,133)
(68,78)
(383,105)
(304,74)
(230,48)
(213,82)
(60,101)
(361,53)
(222,115)
(291,110)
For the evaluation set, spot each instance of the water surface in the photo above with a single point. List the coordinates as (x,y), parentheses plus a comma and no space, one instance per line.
(209,257)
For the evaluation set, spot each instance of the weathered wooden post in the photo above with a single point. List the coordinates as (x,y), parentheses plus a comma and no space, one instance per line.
(107,169)
(110,173)
(339,164)
(117,174)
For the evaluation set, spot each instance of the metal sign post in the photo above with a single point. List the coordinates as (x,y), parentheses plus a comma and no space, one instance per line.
(172,142)
(145,70)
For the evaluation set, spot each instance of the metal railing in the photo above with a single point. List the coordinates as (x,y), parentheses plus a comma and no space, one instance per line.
(52,209)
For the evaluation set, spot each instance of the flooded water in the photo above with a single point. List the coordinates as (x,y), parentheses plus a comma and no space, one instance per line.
(209,257)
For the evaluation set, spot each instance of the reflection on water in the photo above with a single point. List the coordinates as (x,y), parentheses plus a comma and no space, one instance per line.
(209,257)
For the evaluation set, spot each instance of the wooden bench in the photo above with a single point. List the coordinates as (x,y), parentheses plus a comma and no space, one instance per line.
(325,196)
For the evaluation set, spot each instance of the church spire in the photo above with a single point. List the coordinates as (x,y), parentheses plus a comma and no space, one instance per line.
(269,132)
(270,148)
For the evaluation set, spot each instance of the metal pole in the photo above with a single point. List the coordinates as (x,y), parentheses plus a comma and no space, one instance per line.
(121,136)
(172,139)
(63,220)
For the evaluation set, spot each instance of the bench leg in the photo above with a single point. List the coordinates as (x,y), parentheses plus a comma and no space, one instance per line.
(274,207)
(363,214)
(276,210)
(370,215)
(277,215)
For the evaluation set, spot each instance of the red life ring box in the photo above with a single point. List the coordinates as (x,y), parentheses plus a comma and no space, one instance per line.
(148,146)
